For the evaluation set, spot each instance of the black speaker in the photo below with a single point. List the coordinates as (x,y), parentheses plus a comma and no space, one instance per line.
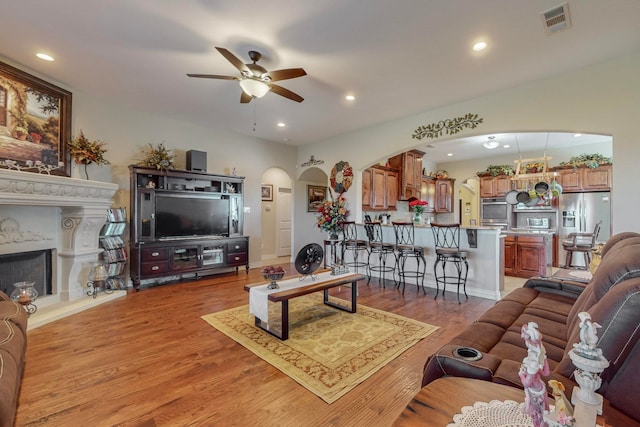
(197,160)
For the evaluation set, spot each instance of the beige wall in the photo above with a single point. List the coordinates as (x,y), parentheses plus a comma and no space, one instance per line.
(601,99)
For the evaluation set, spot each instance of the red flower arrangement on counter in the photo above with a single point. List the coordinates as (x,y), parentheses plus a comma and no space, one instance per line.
(418,205)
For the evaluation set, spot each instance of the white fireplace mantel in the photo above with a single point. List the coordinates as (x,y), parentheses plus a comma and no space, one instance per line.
(82,207)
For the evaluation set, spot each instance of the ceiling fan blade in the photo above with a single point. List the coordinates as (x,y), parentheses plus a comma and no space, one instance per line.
(237,62)
(286,93)
(244,98)
(289,73)
(213,76)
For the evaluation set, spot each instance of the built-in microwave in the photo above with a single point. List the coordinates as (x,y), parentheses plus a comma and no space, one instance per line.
(495,211)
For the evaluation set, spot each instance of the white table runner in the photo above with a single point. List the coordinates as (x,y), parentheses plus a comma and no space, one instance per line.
(258,295)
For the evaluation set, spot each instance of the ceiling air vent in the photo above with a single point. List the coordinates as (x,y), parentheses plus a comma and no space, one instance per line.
(556,19)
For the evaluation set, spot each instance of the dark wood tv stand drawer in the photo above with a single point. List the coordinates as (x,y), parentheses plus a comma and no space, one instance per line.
(153,268)
(237,259)
(236,246)
(154,254)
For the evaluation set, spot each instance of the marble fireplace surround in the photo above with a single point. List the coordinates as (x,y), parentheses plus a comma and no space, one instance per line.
(39,211)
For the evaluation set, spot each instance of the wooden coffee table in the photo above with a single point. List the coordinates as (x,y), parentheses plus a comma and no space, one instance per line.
(440,400)
(323,283)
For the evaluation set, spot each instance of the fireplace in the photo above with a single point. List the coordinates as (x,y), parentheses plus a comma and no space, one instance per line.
(59,215)
(34,266)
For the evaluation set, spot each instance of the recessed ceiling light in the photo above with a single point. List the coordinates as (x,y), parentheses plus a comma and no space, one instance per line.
(577,135)
(281,124)
(450,154)
(350,98)
(44,56)
(479,46)
(506,146)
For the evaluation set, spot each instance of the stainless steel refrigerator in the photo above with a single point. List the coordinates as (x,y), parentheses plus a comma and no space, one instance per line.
(579,213)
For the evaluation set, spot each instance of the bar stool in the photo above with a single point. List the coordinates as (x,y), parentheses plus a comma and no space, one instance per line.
(447,246)
(580,243)
(379,248)
(406,249)
(351,243)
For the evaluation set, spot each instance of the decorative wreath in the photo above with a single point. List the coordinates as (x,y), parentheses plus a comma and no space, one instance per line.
(341,177)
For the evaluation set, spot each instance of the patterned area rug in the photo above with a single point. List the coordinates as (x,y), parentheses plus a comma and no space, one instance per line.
(328,351)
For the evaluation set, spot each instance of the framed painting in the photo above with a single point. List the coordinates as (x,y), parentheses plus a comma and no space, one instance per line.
(316,195)
(267,192)
(35,121)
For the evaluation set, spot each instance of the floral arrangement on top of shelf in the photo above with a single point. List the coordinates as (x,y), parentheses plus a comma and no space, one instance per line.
(495,170)
(587,160)
(158,157)
(332,213)
(84,151)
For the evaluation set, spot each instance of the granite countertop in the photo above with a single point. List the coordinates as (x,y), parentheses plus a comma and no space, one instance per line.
(529,231)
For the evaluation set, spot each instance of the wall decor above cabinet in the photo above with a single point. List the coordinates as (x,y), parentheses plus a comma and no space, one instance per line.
(450,126)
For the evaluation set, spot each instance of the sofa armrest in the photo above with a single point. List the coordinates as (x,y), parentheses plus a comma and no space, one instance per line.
(445,363)
(570,288)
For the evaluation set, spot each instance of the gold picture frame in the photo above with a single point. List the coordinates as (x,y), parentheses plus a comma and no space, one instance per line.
(35,120)
(316,195)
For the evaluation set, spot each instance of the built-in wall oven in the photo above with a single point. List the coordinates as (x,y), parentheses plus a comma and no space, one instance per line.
(495,212)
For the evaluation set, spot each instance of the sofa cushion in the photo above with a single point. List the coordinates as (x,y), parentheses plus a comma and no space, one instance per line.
(621,263)
(14,313)
(10,373)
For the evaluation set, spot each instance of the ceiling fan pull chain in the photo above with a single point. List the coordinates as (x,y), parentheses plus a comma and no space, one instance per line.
(254,116)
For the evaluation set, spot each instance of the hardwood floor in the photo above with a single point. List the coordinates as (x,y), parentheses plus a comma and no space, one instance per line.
(148,359)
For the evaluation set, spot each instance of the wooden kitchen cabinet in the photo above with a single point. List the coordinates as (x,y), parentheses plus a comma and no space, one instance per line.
(530,256)
(379,188)
(410,166)
(585,179)
(494,186)
(444,195)
(526,255)
(428,192)
(509,255)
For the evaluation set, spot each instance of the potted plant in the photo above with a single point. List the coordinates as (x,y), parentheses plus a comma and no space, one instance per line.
(587,160)
(84,152)
(158,157)
(495,170)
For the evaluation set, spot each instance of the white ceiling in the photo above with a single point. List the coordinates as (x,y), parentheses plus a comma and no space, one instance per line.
(397,58)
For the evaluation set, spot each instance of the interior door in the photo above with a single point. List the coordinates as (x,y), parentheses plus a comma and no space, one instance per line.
(283,235)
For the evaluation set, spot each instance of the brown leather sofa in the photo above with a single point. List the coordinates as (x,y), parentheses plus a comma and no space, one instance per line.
(612,298)
(13,345)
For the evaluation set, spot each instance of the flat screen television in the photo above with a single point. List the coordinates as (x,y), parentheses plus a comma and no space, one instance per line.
(190,215)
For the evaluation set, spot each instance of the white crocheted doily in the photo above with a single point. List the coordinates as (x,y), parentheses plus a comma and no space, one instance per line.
(493,414)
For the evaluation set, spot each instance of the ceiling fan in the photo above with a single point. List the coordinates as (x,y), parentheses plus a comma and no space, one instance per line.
(255,80)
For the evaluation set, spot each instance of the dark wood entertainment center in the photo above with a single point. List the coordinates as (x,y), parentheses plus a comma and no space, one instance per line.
(200,226)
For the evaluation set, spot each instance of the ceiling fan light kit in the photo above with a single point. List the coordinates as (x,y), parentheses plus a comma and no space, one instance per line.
(254,88)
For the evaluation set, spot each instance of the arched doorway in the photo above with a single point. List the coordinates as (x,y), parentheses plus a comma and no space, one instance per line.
(276,216)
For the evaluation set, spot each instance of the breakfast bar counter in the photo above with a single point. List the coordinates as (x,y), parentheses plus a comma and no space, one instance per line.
(486,259)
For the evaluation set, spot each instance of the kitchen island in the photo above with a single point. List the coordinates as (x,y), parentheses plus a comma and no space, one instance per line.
(486,265)
(528,253)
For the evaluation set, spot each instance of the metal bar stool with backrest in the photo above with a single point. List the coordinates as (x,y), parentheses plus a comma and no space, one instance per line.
(351,244)
(406,249)
(377,247)
(446,238)
(582,243)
